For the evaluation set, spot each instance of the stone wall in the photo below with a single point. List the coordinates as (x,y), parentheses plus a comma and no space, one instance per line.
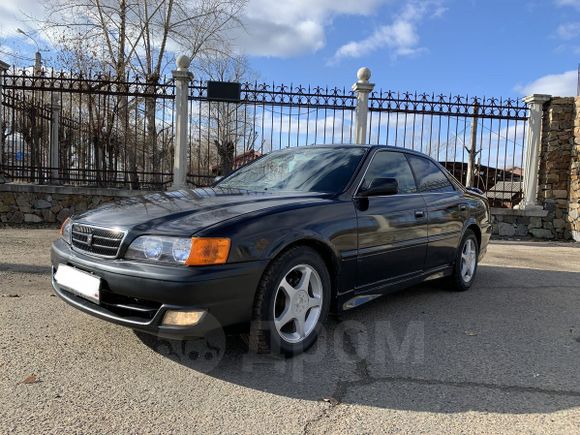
(573,217)
(31,204)
(555,162)
(537,224)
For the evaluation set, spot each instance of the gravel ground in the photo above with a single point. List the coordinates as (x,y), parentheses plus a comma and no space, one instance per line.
(501,358)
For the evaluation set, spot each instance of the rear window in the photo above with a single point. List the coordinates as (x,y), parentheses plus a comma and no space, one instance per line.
(429,177)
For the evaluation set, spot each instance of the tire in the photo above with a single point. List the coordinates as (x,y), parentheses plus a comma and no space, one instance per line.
(282,298)
(469,247)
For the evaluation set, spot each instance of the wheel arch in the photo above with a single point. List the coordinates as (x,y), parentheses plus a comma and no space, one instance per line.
(322,248)
(476,230)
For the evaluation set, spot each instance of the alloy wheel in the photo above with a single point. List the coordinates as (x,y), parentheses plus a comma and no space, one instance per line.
(468,260)
(298,303)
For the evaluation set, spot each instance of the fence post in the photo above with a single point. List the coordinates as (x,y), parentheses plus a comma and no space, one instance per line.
(182,78)
(533,141)
(3,68)
(362,88)
(53,147)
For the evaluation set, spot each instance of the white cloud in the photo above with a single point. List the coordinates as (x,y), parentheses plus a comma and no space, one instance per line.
(574,3)
(14,14)
(265,38)
(561,85)
(401,37)
(280,29)
(568,31)
(292,27)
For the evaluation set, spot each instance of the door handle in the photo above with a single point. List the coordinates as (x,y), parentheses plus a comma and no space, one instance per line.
(462,207)
(419,214)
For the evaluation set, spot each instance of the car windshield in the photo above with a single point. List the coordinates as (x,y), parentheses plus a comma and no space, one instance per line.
(325,170)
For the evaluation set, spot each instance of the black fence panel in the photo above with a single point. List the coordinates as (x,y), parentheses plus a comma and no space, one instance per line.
(120,132)
(114,133)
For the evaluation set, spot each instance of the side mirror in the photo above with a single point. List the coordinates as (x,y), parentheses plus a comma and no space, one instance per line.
(382,187)
(218,178)
(475,190)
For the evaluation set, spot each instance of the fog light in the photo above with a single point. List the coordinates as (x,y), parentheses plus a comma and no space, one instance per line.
(182,318)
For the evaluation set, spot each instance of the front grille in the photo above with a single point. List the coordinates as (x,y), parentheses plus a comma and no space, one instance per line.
(97,241)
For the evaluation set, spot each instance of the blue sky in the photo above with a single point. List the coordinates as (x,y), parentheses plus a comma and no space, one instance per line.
(491,47)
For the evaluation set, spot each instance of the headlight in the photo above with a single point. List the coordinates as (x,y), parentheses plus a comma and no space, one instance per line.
(66,230)
(197,251)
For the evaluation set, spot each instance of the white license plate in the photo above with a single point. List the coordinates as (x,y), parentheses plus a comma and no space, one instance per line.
(80,283)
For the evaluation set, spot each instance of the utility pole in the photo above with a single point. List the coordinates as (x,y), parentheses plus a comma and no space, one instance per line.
(473,148)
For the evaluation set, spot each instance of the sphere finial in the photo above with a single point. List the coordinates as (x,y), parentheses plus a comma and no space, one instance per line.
(183,62)
(363,74)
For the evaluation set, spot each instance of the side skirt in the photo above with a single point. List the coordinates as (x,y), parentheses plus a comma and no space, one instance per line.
(356,298)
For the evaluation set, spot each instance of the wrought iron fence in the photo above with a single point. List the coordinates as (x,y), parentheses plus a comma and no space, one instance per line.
(267,117)
(120,133)
(111,132)
(455,130)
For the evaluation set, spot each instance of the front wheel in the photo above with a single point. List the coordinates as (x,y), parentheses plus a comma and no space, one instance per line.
(466,262)
(292,302)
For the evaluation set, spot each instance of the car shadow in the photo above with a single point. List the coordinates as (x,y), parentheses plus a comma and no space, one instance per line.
(509,345)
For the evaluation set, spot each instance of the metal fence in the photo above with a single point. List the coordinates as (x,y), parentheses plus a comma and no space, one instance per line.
(110,132)
(489,133)
(120,133)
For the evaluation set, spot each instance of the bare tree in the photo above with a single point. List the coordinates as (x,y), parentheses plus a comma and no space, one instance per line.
(138,38)
(231,126)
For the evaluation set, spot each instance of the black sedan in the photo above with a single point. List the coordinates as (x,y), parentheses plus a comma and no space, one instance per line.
(276,245)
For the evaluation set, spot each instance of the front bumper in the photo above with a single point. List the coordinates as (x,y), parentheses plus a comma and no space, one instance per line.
(137,294)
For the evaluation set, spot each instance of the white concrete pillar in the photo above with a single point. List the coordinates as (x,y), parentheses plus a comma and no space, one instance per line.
(3,68)
(182,77)
(533,144)
(362,88)
(54,144)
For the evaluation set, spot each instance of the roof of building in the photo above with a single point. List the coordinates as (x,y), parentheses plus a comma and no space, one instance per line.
(505,190)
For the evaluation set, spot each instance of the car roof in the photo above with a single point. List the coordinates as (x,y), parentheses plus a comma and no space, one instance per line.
(372,146)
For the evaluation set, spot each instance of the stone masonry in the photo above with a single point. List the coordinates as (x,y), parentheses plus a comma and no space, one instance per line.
(30,204)
(573,218)
(555,163)
(558,180)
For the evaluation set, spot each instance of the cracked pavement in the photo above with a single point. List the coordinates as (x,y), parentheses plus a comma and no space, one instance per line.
(501,358)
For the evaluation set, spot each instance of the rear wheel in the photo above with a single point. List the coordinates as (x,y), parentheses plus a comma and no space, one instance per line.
(466,262)
(291,304)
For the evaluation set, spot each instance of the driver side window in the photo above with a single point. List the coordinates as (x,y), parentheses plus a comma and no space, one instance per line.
(391,164)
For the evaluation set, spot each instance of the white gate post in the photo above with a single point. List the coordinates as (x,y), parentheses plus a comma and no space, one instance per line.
(53,145)
(362,88)
(182,78)
(533,143)
(3,68)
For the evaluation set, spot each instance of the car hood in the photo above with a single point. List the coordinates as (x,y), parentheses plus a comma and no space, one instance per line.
(188,211)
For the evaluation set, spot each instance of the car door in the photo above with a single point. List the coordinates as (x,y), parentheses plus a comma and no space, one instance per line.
(446,210)
(392,230)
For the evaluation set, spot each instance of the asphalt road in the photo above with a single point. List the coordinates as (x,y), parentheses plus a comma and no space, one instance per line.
(501,358)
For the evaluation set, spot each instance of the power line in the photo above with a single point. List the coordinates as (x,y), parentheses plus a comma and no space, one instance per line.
(16,56)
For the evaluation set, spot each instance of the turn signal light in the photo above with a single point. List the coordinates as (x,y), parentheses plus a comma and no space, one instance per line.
(206,251)
(63,226)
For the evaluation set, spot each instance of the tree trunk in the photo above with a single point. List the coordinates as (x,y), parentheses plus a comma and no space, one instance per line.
(225,151)
(151,139)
